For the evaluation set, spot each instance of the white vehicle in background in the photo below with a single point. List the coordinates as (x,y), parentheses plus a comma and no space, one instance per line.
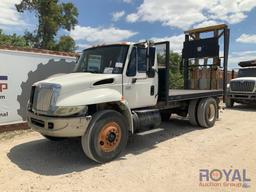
(243,88)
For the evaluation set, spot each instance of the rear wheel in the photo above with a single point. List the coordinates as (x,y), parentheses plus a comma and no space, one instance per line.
(106,136)
(207,112)
(192,112)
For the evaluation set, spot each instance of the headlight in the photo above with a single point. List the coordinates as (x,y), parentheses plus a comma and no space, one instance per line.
(228,87)
(66,111)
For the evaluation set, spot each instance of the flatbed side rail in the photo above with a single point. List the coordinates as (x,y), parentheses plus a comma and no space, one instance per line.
(192,96)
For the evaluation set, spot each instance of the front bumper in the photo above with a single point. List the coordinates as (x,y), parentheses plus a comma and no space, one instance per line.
(242,96)
(58,126)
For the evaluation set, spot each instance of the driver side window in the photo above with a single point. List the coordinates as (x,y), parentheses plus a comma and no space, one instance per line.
(137,62)
(142,62)
(132,69)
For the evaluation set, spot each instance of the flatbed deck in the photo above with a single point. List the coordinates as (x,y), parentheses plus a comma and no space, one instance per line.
(182,95)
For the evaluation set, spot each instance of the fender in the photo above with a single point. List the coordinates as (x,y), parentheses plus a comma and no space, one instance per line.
(90,97)
(98,96)
(56,75)
(128,114)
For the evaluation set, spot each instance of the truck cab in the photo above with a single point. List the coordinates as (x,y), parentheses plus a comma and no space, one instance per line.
(110,81)
(243,88)
(125,69)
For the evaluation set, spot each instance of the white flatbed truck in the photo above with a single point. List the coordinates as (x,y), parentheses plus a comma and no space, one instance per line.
(115,91)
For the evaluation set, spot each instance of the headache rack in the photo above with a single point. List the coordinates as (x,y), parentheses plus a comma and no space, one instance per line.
(204,44)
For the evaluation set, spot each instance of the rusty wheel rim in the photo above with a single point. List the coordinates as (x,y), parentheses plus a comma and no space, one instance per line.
(109,137)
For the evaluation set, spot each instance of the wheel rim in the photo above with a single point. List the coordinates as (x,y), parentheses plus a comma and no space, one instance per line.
(109,137)
(211,112)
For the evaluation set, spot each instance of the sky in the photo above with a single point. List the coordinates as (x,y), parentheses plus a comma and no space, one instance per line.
(105,21)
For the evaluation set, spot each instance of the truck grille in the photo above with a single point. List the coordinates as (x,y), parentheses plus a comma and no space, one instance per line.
(43,97)
(37,122)
(242,86)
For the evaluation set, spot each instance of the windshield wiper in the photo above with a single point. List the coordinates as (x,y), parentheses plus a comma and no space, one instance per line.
(92,71)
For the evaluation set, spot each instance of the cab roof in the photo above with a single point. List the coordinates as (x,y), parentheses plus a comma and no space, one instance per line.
(251,63)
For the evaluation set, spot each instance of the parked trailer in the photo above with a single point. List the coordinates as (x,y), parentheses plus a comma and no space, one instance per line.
(120,89)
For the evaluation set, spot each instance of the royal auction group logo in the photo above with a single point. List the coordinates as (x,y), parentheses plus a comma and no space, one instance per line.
(3,83)
(231,178)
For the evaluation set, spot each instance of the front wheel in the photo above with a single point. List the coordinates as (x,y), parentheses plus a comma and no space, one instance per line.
(106,136)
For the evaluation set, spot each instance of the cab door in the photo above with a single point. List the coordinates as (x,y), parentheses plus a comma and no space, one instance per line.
(140,89)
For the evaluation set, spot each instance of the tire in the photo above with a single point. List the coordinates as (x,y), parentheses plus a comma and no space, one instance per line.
(207,112)
(229,103)
(54,138)
(165,115)
(106,136)
(192,112)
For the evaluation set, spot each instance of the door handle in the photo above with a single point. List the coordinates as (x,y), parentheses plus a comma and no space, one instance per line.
(152,90)
(134,80)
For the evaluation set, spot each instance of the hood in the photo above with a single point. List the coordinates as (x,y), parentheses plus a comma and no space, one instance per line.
(81,81)
(244,79)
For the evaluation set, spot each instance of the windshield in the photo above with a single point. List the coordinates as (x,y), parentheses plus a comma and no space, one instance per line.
(107,59)
(250,72)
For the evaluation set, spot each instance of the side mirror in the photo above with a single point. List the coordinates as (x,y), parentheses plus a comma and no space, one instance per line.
(77,58)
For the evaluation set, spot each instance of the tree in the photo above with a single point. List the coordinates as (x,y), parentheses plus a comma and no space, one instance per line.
(30,39)
(66,43)
(52,16)
(176,80)
(12,40)
(176,74)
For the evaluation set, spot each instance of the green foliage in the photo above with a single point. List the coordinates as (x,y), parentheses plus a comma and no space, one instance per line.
(176,74)
(12,40)
(176,80)
(30,39)
(66,43)
(52,16)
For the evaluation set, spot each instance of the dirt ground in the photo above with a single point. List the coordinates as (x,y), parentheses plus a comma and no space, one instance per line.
(166,159)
